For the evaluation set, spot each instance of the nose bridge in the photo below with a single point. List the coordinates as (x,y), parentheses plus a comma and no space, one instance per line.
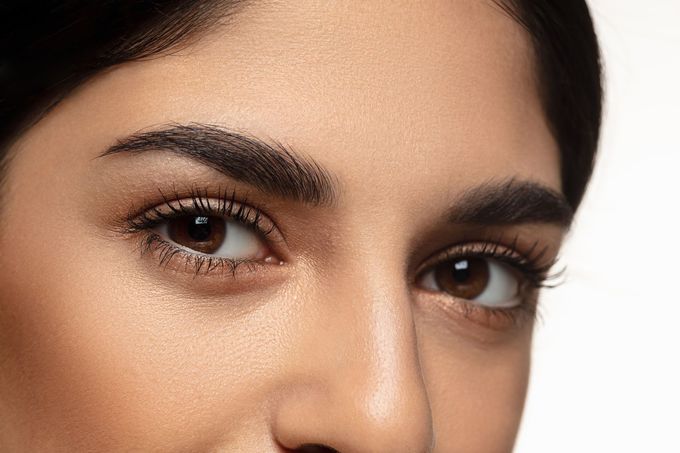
(390,359)
(368,393)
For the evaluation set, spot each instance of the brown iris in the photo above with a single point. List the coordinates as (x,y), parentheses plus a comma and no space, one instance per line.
(465,278)
(200,233)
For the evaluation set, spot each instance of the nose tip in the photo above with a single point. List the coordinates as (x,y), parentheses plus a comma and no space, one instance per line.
(364,393)
(349,422)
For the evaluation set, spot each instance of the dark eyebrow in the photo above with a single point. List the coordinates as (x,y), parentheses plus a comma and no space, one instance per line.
(512,202)
(270,167)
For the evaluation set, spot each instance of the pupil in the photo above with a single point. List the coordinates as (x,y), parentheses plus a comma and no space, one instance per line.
(200,229)
(461,271)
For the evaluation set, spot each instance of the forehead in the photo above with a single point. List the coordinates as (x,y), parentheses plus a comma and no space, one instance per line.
(433,93)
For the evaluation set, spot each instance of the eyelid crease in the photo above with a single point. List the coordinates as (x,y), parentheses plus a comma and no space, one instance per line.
(153,243)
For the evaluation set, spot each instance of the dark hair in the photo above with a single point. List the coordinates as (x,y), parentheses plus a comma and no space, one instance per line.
(47,50)
(570,75)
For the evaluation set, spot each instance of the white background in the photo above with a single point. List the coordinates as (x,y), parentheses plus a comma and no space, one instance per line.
(606,370)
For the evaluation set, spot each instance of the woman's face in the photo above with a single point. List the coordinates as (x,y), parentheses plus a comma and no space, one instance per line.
(322,223)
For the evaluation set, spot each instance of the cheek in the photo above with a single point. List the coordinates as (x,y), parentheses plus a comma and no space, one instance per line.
(477,391)
(96,356)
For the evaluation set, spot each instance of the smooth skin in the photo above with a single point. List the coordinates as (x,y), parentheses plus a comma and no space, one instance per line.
(407,105)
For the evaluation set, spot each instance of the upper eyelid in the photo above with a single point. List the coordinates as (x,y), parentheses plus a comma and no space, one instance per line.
(200,203)
(529,265)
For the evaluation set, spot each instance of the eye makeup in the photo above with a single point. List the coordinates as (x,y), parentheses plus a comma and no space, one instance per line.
(214,232)
(488,282)
(184,231)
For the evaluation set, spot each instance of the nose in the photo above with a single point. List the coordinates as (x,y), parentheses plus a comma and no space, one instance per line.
(357,385)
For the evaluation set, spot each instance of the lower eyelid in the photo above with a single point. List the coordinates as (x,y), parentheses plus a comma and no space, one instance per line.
(464,313)
(174,266)
(177,249)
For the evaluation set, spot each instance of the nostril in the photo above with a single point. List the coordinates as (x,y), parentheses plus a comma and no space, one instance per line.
(315,448)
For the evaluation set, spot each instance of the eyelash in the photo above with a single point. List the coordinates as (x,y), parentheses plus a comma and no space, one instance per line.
(197,203)
(533,276)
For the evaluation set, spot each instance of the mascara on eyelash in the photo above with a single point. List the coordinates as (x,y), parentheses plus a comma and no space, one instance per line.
(196,203)
(535,275)
(199,203)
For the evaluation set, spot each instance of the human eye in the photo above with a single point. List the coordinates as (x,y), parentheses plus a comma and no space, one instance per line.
(487,283)
(202,233)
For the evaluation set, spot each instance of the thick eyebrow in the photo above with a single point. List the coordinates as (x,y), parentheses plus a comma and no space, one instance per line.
(511,202)
(269,167)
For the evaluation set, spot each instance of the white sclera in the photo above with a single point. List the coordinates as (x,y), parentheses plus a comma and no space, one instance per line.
(503,288)
(240,242)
